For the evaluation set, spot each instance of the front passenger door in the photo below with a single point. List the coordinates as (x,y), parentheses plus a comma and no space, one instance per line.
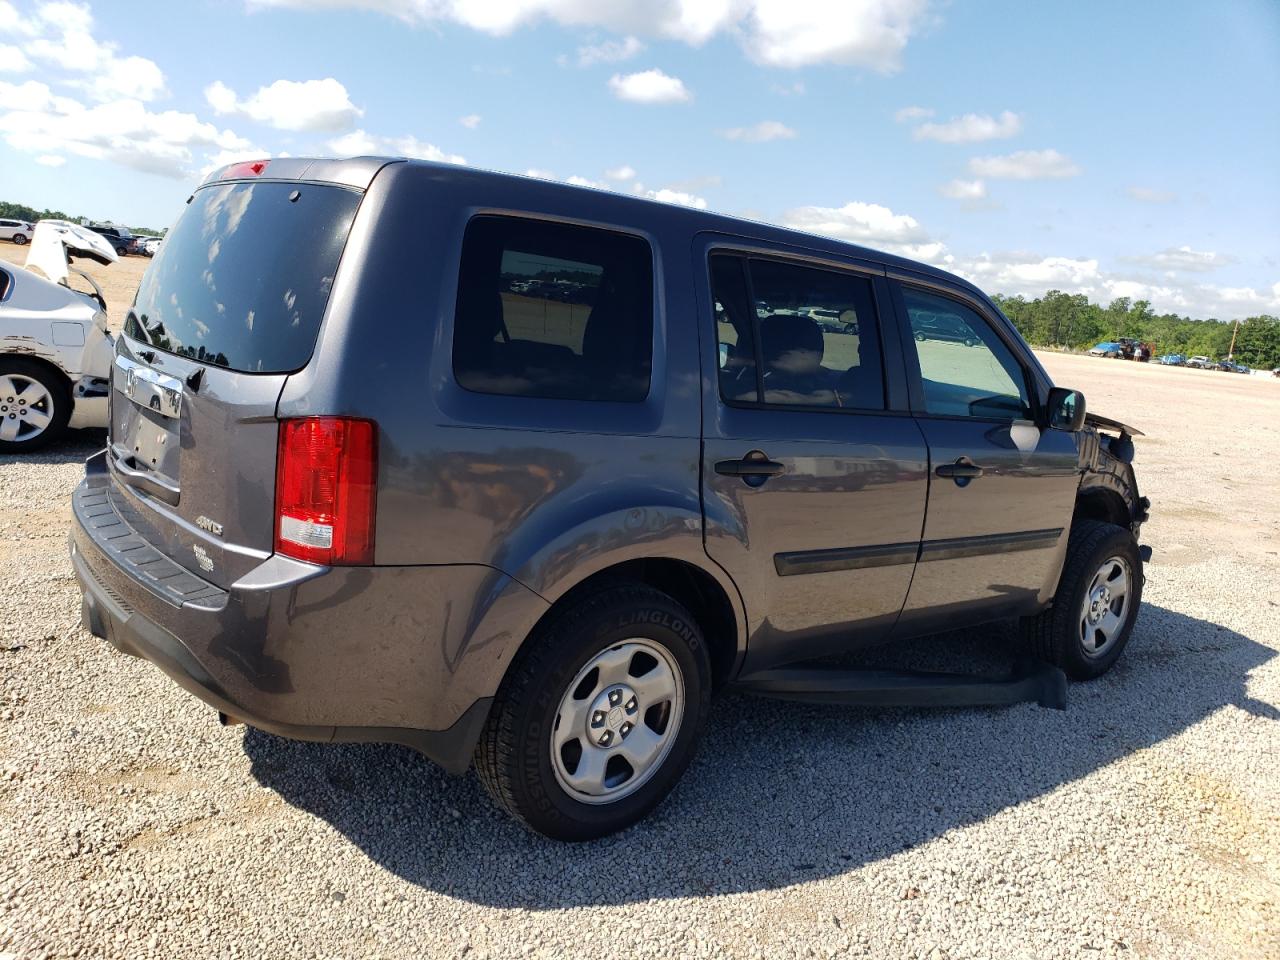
(1001,487)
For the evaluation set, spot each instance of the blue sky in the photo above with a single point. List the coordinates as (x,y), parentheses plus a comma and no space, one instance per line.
(1115,149)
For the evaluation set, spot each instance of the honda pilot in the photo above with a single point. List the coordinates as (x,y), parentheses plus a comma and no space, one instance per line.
(526,488)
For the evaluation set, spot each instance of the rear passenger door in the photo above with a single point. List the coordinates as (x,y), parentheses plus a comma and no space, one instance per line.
(1002,486)
(814,473)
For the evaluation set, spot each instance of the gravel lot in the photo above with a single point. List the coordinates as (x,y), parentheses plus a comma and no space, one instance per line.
(1142,822)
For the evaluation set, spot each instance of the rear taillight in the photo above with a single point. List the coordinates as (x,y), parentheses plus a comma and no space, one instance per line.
(326,479)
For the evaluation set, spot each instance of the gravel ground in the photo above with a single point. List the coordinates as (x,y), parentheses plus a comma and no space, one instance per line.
(1142,822)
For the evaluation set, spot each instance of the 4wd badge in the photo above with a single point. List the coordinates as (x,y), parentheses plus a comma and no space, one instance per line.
(204,523)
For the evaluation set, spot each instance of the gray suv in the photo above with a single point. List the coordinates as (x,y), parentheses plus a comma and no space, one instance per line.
(530,485)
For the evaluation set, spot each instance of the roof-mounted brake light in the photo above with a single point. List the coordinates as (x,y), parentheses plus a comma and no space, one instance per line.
(246,168)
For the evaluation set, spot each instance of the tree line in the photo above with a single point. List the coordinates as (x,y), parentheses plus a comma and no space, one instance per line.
(1071,321)
(20,211)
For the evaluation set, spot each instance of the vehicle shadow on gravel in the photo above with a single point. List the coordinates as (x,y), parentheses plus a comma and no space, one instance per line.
(74,446)
(780,793)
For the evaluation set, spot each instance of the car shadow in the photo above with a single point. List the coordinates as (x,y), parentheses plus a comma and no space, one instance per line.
(780,792)
(74,446)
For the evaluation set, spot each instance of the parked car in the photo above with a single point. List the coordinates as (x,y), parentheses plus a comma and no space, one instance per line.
(943,326)
(119,237)
(1227,365)
(152,246)
(1172,360)
(543,536)
(138,243)
(16,231)
(1201,363)
(55,352)
(1108,348)
(832,321)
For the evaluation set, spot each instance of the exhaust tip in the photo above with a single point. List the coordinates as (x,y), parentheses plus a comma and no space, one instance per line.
(228,721)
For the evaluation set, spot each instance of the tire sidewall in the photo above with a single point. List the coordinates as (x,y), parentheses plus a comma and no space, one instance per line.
(57,388)
(1072,658)
(550,808)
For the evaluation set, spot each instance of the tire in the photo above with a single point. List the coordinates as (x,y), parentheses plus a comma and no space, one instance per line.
(565,668)
(19,238)
(122,251)
(1064,634)
(43,418)
(920,338)
(970,342)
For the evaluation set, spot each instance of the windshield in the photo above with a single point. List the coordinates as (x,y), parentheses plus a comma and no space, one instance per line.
(243,278)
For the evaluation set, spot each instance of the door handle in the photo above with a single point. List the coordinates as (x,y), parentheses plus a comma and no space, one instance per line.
(754,465)
(962,469)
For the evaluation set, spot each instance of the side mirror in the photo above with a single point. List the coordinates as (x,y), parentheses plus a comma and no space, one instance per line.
(1066,409)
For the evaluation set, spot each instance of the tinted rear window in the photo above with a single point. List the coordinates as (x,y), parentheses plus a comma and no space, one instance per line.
(242,279)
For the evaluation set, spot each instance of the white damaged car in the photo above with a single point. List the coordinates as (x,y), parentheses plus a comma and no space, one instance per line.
(55,351)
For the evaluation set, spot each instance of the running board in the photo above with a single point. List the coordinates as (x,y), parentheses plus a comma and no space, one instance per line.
(1031,681)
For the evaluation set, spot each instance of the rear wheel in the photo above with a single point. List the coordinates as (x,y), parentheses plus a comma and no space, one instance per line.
(1097,602)
(34,405)
(599,716)
(19,238)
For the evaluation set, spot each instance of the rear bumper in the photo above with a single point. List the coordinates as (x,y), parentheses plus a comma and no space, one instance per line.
(278,649)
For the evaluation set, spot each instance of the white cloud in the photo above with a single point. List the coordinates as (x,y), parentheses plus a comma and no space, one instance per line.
(307,105)
(122,131)
(964,189)
(760,132)
(50,160)
(1150,195)
(971,128)
(1182,259)
(59,36)
(907,114)
(649,86)
(470,121)
(358,143)
(1033,275)
(779,33)
(13,60)
(868,224)
(623,172)
(679,197)
(610,51)
(1024,165)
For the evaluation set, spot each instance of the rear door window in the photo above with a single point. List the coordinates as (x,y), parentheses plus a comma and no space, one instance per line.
(553,310)
(243,278)
(796,336)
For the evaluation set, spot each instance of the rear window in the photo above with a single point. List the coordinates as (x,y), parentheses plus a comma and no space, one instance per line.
(242,279)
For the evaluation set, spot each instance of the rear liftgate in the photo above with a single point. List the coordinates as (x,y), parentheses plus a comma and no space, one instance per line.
(1030,680)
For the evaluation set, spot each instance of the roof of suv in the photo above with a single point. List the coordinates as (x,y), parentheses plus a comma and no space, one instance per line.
(359,172)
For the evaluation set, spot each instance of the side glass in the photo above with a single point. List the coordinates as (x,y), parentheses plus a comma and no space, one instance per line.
(967,370)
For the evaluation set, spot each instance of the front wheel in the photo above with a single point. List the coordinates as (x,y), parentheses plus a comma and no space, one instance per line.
(1093,612)
(599,716)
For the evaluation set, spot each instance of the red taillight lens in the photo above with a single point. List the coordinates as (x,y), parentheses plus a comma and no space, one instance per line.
(326,485)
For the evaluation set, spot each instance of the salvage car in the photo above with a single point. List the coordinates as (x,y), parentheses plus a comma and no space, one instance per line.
(540,534)
(1108,348)
(55,351)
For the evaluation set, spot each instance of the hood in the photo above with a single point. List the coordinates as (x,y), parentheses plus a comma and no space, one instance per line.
(55,242)
(1115,426)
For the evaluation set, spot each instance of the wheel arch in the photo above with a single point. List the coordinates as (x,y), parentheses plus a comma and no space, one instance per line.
(1103,504)
(714,605)
(59,375)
